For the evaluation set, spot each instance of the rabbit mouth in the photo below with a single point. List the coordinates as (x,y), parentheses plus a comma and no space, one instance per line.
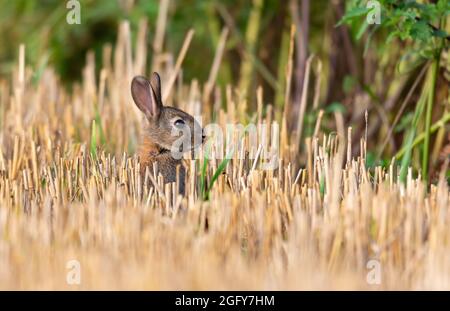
(185,146)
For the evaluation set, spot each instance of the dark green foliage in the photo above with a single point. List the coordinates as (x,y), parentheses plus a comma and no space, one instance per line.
(419,26)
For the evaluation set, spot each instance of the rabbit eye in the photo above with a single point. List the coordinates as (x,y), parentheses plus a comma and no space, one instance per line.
(179,122)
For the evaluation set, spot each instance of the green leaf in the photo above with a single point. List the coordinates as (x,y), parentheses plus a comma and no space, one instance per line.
(421,31)
(362,29)
(98,120)
(93,146)
(392,36)
(409,138)
(322,186)
(440,33)
(443,7)
(38,73)
(219,171)
(352,14)
(203,178)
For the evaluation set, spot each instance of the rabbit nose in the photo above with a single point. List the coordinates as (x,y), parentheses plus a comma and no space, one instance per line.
(203,136)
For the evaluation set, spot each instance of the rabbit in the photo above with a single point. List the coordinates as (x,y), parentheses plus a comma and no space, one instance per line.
(168,131)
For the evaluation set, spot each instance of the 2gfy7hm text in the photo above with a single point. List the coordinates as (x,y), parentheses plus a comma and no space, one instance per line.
(204,302)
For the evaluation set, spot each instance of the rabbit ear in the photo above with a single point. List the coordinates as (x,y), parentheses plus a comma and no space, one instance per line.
(145,97)
(155,83)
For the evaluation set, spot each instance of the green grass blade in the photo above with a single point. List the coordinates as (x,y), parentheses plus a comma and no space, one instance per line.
(219,171)
(203,178)
(406,159)
(93,146)
(436,126)
(430,102)
(98,120)
(222,165)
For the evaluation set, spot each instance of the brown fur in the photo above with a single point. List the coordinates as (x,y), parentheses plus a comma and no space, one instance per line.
(150,153)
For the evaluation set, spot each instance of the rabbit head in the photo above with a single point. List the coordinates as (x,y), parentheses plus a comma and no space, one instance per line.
(168,127)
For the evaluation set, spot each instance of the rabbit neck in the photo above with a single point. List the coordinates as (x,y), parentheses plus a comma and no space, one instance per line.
(150,149)
(151,153)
